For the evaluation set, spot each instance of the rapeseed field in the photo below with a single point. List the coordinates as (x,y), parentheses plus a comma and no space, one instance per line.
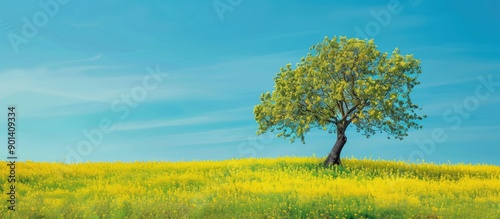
(289,187)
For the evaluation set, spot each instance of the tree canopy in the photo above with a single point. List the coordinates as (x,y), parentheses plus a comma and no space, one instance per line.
(340,82)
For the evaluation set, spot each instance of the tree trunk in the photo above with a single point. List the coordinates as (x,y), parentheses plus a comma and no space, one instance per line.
(334,155)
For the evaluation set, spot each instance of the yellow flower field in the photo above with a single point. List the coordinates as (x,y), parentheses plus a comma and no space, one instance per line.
(254,188)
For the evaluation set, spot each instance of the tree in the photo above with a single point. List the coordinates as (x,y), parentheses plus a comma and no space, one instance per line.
(342,82)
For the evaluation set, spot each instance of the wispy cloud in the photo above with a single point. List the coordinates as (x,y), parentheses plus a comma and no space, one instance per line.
(288,35)
(94,58)
(448,102)
(476,134)
(84,24)
(51,89)
(402,21)
(228,79)
(446,48)
(206,137)
(457,47)
(444,83)
(356,12)
(210,117)
(69,81)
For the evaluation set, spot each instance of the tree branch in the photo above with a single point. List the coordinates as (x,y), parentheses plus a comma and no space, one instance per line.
(339,104)
(348,113)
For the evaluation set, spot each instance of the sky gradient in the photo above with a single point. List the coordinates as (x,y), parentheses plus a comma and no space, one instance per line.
(177,80)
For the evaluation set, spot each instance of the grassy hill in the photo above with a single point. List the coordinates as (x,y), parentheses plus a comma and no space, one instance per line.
(254,188)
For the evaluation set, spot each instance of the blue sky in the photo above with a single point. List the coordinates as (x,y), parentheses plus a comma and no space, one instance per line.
(178,80)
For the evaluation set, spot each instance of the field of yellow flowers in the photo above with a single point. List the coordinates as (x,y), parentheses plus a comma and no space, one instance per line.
(254,188)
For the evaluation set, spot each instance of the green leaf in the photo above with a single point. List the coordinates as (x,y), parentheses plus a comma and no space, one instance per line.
(338,80)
